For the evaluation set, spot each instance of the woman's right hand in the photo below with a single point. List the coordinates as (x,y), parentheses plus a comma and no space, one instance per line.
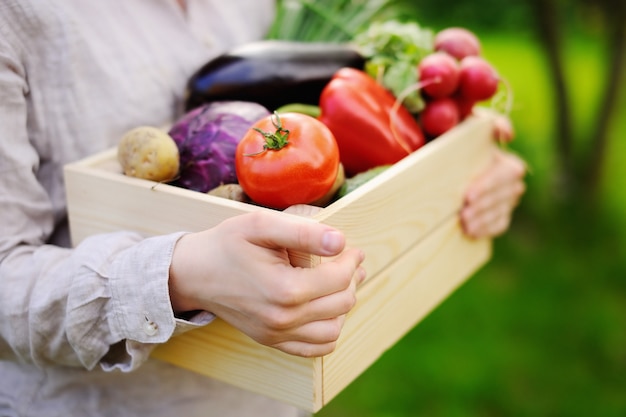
(240,271)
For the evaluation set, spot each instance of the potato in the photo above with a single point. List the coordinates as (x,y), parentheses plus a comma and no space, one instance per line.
(149,153)
(231,192)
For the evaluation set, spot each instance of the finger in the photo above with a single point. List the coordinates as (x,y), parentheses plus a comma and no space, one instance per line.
(508,195)
(280,318)
(335,304)
(505,168)
(491,223)
(274,329)
(306,350)
(503,130)
(302,285)
(494,226)
(313,339)
(479,222)
(502,182)
(315,332)
(289,232)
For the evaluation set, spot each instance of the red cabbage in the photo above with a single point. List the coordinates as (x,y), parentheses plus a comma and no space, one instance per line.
(207,138)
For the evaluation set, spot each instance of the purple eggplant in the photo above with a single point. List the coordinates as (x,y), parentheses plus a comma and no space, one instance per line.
(272,73)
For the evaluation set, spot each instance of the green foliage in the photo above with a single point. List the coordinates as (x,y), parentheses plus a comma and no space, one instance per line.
(535,333)
(394,50)
(477,15)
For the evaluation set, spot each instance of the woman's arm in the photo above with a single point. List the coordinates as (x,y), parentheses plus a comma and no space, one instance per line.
(57,305)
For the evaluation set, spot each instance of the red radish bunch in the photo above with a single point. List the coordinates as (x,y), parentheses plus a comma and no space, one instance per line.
(478,80)
(453,79)
(458,42)
(439,73)
(439,116)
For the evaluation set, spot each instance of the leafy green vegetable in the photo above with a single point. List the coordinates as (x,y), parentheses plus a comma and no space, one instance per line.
(393,50)
(326,20)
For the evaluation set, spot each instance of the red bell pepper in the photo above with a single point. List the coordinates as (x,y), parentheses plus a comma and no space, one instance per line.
(370,129)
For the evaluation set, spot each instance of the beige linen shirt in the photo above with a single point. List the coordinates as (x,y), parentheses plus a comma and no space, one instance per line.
(75,75)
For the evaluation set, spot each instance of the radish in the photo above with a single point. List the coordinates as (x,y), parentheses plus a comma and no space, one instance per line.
(439,116)
(439,73)
(464,105)
(478,79)
(458,42)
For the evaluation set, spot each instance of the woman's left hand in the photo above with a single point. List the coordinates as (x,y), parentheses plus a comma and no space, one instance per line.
(492,197)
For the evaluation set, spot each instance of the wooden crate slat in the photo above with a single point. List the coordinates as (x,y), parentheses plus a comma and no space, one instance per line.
(222,352)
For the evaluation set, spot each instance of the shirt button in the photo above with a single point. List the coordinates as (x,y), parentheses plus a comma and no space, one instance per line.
(150,328)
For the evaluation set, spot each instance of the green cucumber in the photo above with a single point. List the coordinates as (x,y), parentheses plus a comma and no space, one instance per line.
(352,183)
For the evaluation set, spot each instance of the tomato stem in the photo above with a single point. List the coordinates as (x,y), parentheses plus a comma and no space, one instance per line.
(276,140)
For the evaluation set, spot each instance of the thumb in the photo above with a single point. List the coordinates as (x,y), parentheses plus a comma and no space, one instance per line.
(280,231)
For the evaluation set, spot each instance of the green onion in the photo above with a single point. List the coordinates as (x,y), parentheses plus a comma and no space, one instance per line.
(327,20)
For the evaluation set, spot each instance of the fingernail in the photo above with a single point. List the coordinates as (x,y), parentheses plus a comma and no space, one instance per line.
(332,241)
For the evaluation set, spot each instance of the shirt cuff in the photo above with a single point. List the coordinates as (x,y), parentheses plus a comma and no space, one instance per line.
(127,355)
(141,313)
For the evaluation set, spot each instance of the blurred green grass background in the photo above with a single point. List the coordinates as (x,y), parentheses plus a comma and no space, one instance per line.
(541,329)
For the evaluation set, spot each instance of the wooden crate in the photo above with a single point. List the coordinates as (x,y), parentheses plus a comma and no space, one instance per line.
(405,219)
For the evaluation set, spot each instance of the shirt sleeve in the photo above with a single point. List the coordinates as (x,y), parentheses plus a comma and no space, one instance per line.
(129,287)
(61,306)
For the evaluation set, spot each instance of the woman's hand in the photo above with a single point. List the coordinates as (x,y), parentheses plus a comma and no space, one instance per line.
(492,197)
(240,271)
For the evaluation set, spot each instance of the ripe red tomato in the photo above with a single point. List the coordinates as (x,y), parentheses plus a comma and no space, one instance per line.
(287,159)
